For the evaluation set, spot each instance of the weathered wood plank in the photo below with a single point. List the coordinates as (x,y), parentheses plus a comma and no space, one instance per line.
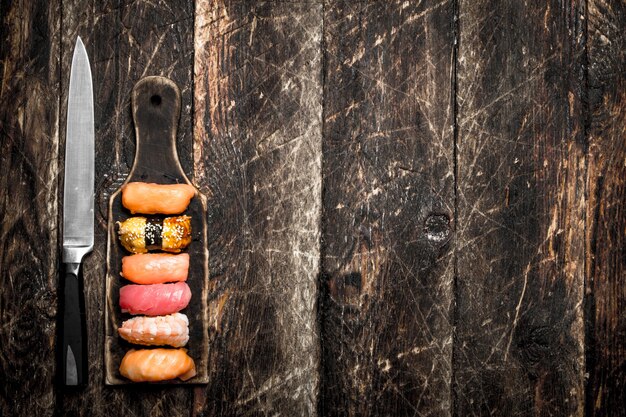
(388,166)
(521,209)
(29,146)
(125,40)
(606,219)
(257,158)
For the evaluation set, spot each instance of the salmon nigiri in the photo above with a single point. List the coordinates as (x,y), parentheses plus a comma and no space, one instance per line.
(155,268)
(154,299)
(149,198)
(170,330)
(151,365)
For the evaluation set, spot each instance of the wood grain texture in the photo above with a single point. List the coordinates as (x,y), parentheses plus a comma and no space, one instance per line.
(257,158)
(521,209)
(29,146)
(606,215)
(125,41)
(342,301)
(386,282)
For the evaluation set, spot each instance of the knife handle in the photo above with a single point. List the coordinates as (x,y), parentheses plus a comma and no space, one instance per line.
(73,347)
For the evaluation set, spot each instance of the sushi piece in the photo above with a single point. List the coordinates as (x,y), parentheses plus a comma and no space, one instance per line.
(149,198)
(155,299)
(151,365)
(141,234)
(170,330)
(155,268)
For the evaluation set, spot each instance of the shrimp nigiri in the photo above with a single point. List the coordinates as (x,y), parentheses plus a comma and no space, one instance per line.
(149,198)
(155,268)
(170,330)
(150,365)
(154,299)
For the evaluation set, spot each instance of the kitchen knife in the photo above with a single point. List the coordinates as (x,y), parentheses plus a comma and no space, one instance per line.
(78,218)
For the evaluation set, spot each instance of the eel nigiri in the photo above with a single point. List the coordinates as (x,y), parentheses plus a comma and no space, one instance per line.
(154,299)
(155,268)
(151,365)
(170,330)
(140,234)
(149,198)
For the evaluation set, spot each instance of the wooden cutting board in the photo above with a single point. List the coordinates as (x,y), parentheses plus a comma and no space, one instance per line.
(156,104)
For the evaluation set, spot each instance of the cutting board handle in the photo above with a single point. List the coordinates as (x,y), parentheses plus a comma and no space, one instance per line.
(156,103)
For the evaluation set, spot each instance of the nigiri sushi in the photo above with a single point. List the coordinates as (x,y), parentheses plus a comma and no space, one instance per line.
(155,268)
(154,299)
(151,365)
(140,234)
(170,330)
(149,198)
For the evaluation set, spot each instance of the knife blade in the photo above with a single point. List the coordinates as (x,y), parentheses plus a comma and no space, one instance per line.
(78,217)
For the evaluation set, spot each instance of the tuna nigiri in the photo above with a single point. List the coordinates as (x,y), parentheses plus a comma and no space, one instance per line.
(170,330)
(155,268)
(148,198)
(155,299)
(150,365)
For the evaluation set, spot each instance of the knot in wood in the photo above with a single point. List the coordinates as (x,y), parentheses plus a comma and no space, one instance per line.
(437,228)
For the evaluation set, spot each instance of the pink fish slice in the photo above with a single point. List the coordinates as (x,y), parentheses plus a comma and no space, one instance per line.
(154,299)
(172,330)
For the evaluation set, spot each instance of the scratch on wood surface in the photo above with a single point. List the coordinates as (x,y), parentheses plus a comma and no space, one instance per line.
(252,28)
(155,50)
(216,310)
(517,310)
(426,11)
(275,382)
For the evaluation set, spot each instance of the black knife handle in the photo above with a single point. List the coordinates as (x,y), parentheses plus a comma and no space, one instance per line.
(73,333)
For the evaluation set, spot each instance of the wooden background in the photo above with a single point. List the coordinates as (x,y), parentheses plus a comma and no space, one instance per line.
(415,207)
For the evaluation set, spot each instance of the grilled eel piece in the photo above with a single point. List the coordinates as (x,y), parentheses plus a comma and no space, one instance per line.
(141,234)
